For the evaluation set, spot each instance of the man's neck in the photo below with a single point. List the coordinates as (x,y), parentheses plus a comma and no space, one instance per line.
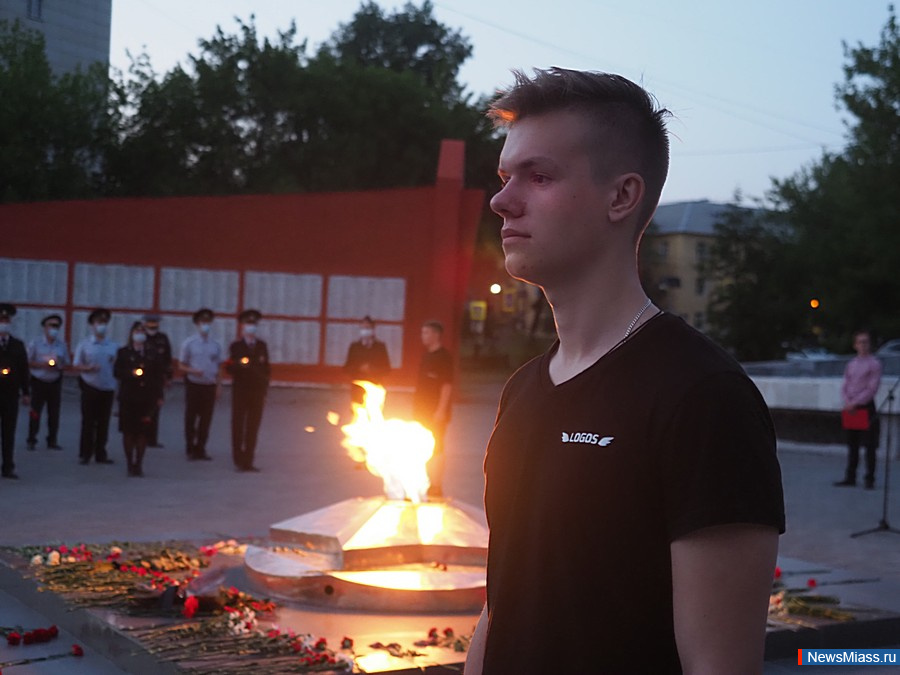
(591,320)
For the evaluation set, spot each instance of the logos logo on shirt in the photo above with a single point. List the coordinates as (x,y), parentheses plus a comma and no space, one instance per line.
(586,437)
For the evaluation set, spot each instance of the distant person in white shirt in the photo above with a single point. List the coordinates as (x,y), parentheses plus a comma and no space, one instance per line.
(200,359)
(94,359)
(48,357)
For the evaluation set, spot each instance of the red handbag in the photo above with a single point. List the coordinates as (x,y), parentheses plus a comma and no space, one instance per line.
(857,419)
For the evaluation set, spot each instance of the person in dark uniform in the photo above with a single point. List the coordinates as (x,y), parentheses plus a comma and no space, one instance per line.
(14,378)
(48,356)
(158,343)
(432,398)
(94,358)
(248,365)
(200,360)
(367,359)
(141,376)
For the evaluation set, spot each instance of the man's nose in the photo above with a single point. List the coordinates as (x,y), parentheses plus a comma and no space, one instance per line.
(505,203)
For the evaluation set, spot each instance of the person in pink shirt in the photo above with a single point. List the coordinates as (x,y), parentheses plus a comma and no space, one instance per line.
(862,376)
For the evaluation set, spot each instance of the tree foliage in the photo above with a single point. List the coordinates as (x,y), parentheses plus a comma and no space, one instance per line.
(248,115)
(53,129)
(837,237)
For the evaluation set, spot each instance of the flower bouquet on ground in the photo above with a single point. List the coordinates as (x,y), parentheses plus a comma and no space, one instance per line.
(786,602)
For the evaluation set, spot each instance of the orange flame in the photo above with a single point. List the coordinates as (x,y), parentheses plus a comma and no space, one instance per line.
(394,450)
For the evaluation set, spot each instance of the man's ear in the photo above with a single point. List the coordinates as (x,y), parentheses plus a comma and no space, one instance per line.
(627,199)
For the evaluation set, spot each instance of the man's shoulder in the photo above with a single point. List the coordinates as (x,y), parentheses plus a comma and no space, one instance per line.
(680,348)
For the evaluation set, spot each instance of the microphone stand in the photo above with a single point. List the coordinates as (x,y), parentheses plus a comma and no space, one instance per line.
(883,525)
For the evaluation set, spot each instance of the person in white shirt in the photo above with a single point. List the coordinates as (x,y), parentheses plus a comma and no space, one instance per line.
(94,359)
(200,359)
(48,357)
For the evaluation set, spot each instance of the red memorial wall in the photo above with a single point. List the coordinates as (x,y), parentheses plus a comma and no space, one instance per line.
(313,263)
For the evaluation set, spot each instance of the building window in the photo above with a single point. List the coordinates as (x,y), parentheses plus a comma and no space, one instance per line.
(662,250)
(701,251)
(700,285)
(36,10)
(699,320)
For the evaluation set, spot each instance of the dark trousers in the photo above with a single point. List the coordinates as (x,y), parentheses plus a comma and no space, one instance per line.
(153,429)
(246,414)
(41,393)
(96,409)
(199,401)
(868,438)
(9,415)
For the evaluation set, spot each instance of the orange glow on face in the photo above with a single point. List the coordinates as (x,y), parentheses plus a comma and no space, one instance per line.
(394,450)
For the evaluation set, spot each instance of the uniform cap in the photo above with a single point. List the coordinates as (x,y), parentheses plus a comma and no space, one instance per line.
(99,314)
(249,316)
(203,315)
(51,317)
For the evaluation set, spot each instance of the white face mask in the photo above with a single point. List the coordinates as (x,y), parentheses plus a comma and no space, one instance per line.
(139,338)
(249,329)
(152,331)
(100,328)
(366,332)
(52,332)
(4,327)
(204,328)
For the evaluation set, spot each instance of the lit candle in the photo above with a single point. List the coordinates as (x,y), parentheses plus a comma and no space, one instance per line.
(51,362)
(138,372)
(245,361)
(4,372)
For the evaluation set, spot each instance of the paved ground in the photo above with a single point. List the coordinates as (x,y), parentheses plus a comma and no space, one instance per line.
(303,467)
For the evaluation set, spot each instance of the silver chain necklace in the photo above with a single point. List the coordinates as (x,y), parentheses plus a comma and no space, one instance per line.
(637,317)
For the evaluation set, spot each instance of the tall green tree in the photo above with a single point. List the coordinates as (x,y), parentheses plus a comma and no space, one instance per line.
(844,208)
(53,129)
(755,300)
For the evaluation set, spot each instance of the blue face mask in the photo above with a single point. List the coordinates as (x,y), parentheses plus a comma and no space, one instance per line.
(250,329)
(100,328)
(139,338)
(52,332)
(4,327)
(204,328)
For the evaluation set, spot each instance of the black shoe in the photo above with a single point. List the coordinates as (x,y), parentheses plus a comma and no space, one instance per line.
(84,460)
(203,456)
(845,483)
(54,446)
(870,484)
(251,469)
(11,474)
(105,460)
(31,445)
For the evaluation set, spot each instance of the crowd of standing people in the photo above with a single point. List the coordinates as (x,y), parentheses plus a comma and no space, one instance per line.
(136,375)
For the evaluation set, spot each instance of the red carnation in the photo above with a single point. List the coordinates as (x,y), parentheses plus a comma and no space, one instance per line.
(63,549)
(191,604)
(77,650)
(13,639)
(346,643)
(811,582)
(28,638)
(433,633)
(448,632)
(777,572)
(53,630)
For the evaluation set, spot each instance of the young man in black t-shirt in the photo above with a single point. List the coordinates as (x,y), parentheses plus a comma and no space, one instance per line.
(432,399)
(632,488)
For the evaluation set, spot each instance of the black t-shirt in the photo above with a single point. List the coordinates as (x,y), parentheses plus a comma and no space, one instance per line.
(435,371)
(589,482)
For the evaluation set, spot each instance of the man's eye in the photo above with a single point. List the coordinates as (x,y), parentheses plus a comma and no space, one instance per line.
(540,179)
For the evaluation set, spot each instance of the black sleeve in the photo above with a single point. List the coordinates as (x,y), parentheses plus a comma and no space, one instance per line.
(120,366)
(718,463)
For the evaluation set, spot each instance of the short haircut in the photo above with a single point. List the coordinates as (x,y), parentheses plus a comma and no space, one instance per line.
(434,324)
(629,125)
